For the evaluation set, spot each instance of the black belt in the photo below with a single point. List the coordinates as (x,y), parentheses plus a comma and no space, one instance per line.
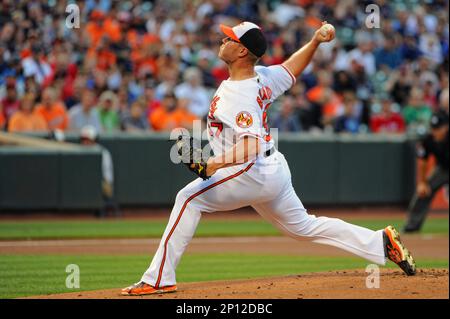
(269,152)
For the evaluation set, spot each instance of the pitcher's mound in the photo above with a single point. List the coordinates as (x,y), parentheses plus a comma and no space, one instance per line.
(343,284)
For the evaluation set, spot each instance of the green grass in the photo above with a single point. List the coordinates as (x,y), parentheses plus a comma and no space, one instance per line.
(27,275)
(148,228)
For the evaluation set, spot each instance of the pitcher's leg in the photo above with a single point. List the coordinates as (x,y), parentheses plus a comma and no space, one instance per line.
(180,229)
(215,194)
(289,215)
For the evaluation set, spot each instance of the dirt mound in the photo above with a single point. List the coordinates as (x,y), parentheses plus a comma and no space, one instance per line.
(350,284)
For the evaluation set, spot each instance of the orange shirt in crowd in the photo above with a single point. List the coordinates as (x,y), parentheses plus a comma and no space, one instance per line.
(25,122)
(112,28)
(108,27)
(55,116)
(147,65)
(95,33)
(332,104)
(161,120)
(2,119)
(104,58)
(313,22)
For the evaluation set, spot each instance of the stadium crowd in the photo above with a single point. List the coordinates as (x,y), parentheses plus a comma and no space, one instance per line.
(152,65)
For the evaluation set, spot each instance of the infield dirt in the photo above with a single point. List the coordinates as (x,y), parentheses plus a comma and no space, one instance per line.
(351,284)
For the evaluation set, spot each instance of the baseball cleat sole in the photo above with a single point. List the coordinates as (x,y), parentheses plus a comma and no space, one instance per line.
(142,289)
(397,252)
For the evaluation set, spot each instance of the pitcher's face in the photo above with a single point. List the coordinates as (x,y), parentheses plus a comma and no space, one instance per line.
(229,50)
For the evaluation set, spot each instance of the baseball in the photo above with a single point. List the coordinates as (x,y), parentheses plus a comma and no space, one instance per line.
(328,29)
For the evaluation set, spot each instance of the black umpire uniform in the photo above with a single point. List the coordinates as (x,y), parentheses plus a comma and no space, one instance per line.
(429,145)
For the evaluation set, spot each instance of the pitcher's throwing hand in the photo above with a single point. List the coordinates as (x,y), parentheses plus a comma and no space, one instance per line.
(325,33)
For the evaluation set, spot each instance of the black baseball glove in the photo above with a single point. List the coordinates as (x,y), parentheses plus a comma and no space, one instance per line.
(190,151)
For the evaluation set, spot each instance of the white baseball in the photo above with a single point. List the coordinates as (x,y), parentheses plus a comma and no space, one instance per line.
(328,29)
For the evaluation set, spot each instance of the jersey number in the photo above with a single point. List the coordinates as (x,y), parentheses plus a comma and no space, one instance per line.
(219,127)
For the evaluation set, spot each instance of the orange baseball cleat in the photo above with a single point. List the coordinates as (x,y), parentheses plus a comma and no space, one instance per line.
(141,288)
(397,252)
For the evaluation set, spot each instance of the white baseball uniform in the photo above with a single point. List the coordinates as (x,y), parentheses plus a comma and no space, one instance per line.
(239,109)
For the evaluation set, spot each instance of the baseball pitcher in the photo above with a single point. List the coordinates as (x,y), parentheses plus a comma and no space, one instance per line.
(247,169)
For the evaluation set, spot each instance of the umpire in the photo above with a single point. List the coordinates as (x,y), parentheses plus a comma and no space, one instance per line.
(435,143)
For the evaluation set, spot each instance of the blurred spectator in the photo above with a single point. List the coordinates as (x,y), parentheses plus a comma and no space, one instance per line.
(430,95)
(204,64)
(409,49)
(425,72)
(10,103)
(431,48)
(31,86)
(84,113)
(151,101)
(107,110)
(170,115)
(135,120)
(34,64)
(101,56)
(287,120)
(344,81)
(64,72)
(389,55)
(387,121)
(191,89)
(399,85)
(168,83)
(304,108)
(95,29)
(350,121)
(325,100)
(26,119)
(2,119)
(416,113)
(53,111)
(444,101)
(363,55)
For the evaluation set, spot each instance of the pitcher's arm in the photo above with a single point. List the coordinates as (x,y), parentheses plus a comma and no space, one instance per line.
(300,59)
(245,150)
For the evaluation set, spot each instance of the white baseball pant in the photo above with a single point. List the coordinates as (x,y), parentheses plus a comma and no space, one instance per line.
(265,185)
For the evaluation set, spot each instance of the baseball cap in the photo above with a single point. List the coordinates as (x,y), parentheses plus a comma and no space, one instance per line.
(438,120)
(249,34)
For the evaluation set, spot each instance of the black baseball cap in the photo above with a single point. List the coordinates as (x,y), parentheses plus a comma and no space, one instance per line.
(438,120)
(249,34)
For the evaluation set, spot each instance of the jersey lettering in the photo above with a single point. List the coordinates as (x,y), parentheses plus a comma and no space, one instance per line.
(213,107)
(265,94)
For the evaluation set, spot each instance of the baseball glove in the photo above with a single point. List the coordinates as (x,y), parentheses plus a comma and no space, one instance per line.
(190,152)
